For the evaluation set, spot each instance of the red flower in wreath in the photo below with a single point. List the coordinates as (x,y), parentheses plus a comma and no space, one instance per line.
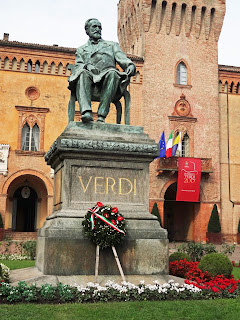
(119,218)
(113,222)
(99,204)
(106,215)
(115,210)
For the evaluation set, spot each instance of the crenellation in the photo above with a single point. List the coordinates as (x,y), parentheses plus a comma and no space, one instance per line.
(208,20)
(188,17)
(159,10)
(178,21)
(198,20)
(146,13)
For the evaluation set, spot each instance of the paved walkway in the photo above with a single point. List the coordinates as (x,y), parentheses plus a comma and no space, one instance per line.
(33,275)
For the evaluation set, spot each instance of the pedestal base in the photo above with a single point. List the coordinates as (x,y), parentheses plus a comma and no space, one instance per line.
(107,163)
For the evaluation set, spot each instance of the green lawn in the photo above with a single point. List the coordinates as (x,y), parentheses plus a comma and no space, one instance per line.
(173,310)
(18,264)
(236,273)
(164,310)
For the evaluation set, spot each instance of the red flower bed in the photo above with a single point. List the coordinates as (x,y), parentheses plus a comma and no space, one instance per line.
(203,280)
(188,270)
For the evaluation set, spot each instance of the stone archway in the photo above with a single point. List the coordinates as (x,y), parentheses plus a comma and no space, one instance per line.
(178,216)
(27,214)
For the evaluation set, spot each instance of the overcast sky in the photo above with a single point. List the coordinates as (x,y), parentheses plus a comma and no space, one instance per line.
(62,22)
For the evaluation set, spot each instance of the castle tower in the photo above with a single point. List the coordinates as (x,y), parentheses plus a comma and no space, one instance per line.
(178,41)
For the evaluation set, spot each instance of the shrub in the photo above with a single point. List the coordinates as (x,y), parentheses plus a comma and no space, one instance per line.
(155,212)
(228,249)
(214,223)
(196,250)
(216,264)
(4,273)
(177,256)
(239,226)
(29,248)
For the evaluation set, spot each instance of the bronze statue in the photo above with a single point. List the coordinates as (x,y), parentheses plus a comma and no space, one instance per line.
(94,76)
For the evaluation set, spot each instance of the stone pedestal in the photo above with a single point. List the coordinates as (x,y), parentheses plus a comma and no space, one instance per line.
(108,163)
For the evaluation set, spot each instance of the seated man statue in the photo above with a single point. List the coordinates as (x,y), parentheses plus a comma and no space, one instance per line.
(94,75)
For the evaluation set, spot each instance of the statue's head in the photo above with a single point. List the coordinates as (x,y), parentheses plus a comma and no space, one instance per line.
(93,28)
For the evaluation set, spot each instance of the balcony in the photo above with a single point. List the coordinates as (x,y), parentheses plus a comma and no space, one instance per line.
(170,165)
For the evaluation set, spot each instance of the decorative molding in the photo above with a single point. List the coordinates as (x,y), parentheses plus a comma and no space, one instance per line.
(183,86)
(32,93)
(32,109)
(51,150)
(4,152)
(170,165)
(99,145)
(30,153)
(109,145)
(32,116)
(182,108)
(182,119)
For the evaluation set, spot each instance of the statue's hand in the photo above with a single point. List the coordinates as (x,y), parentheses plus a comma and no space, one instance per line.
(92,69)
(130,71)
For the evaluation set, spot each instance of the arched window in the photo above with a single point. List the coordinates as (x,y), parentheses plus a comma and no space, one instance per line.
(185,146)
(22,65)
(137,75)
(53,68)
(220,86)
(45,67)
(30,138)
(6,63)
(182,73)
(37,66)
(67,71)
(60,69)
(231,87)
(14,64)
(29,66)
(237,90)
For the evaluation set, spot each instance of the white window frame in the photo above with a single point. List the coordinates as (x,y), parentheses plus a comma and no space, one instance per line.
(28,146)
(182,76)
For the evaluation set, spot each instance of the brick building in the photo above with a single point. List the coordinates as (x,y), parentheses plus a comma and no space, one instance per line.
(174,45)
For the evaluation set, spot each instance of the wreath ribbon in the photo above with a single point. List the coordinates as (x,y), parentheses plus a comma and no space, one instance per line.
(94,213)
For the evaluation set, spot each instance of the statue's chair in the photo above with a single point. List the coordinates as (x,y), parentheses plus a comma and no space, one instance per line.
(96,97)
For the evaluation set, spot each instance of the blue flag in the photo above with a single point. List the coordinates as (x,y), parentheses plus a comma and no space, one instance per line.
(162,146)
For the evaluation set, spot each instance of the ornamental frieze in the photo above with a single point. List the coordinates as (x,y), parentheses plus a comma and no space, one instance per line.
(109,145)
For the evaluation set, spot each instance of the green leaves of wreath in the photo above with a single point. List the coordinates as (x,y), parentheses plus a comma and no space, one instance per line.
(104,225)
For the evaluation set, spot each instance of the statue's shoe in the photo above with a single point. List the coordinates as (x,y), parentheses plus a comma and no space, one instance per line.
(100,119)
(87,117)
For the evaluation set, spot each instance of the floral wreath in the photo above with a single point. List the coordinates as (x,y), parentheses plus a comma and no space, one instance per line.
(104,225)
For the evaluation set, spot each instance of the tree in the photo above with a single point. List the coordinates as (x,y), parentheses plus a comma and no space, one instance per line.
(155,212)
(214,222)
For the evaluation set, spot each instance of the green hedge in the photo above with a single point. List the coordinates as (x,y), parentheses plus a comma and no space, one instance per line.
(216,264)
(177,256)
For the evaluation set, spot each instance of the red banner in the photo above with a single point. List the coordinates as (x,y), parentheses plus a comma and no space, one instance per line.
(189,178)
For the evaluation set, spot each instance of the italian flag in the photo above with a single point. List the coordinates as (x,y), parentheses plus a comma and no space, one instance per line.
(169,146)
